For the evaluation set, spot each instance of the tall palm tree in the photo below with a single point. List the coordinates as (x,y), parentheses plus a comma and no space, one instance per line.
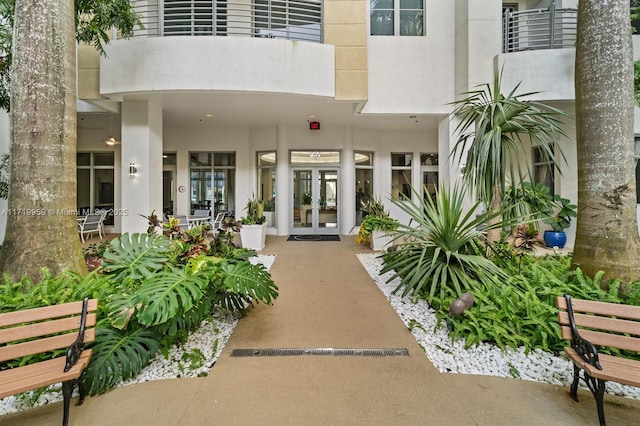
(607,232)
(493,134)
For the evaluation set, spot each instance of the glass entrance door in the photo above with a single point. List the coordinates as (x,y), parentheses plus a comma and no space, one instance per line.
(315,201)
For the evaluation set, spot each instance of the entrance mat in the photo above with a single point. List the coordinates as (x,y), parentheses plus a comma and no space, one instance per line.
(313,238)
(375,352)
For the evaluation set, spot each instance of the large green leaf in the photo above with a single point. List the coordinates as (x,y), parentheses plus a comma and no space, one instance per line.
(252,281)
(171,291)
(136,256)
(118,355)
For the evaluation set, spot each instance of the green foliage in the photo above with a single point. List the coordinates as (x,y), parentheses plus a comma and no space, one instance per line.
(118,355)
(494,133)
(94,18)
(255,212)
(152,293)
(444,252)
(562,218)
(636,83)
(136,256)
(526,202)
(521,311)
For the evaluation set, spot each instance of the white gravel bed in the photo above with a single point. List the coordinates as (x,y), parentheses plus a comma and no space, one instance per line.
(451,356)
(192,359)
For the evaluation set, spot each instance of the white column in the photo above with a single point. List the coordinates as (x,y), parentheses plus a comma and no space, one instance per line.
(348,185)
(283,177)
(142,148)
(5,134)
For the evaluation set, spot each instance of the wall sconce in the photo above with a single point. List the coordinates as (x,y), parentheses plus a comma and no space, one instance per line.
(133,170)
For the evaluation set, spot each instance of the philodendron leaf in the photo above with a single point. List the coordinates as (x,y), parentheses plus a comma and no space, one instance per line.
(170,291)
(136,256)
(118,355)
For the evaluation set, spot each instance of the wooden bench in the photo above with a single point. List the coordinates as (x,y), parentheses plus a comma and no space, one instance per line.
(588,325)
(40,330)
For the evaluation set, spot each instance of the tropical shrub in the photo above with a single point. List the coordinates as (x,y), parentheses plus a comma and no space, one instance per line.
(152,291)
(521,311)
(444,252)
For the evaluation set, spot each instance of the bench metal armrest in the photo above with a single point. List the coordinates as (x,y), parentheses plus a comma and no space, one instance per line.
(75,349)
(582,346)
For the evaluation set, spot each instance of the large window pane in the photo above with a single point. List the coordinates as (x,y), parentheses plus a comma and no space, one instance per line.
(267,185)
(200,189)
(382,22)
(411,23)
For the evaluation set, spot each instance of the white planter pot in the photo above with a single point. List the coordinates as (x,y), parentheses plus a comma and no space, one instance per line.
(253,236)
(380,240)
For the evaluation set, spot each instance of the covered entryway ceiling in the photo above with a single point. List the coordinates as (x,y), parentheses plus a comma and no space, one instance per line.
(257,110)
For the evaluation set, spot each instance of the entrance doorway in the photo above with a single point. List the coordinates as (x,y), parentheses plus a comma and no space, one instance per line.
(315,201)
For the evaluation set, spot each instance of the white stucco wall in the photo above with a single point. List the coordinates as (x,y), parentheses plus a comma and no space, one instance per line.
(217,63)
(414,75)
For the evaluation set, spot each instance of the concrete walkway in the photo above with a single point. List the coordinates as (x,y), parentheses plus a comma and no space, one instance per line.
(328,300)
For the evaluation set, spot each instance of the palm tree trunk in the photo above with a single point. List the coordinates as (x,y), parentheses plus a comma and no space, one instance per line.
(607,231)
(41,226)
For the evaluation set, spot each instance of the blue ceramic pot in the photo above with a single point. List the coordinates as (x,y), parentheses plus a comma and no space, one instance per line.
(555,239)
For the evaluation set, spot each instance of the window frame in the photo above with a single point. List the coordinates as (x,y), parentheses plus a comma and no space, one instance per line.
(397,12)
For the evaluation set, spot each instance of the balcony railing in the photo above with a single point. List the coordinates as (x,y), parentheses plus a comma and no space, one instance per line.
(552,28)
(285,19)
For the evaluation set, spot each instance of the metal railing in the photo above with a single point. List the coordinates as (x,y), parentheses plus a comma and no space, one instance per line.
(552,28)
(285,19)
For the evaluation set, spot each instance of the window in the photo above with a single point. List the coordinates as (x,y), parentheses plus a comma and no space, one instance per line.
(429,169)
(364,181)
(195,17)
(397,17)
(95,183)
(213,177)
(401,176)
(294,20)
(543,169)
(267,184)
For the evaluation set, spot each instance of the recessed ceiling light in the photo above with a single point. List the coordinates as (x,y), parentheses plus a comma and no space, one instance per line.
(208,115)
(312,117)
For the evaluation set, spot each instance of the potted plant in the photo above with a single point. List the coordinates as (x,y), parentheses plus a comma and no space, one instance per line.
(377,226)
(559,222)
(254,225)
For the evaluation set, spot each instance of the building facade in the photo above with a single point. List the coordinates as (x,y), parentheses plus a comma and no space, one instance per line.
(311,106)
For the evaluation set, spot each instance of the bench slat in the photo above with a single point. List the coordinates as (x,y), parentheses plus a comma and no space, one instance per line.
(602,308)
(44,328)
(605,339)
(43,345)
(617,369)
(44,373)
(47,312)
(601,323)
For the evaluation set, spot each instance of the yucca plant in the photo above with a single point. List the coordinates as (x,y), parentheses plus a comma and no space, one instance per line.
(444,251)
(494,133)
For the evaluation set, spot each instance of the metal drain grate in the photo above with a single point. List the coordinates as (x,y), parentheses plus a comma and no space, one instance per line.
(382,352)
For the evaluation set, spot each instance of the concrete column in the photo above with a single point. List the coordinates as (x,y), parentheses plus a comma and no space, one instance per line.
(142,148)
(348,185)
(283,178)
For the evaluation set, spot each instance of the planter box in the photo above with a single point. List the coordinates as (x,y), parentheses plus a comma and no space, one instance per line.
(253,236)
(380,240)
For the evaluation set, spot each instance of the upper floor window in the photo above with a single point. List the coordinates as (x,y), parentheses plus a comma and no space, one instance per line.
(397,17)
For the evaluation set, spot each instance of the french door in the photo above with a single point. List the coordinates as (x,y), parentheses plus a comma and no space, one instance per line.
(315,201)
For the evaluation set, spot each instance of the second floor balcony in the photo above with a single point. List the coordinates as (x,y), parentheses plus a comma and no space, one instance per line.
(536,29)
(283,19)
